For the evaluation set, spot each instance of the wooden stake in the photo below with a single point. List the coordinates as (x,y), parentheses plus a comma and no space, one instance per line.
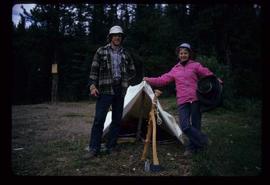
(54,88)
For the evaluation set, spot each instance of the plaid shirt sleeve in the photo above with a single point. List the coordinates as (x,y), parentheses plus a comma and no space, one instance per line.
(94,72)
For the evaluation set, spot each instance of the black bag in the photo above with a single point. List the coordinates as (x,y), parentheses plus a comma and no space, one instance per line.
(209,92)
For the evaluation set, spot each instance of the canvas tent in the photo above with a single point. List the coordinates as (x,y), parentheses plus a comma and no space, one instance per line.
(137,105)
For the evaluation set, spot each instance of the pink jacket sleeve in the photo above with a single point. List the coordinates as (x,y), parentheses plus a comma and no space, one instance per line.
(162,80)
(203,71)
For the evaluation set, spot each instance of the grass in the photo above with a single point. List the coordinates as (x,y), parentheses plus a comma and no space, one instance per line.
(51,158)
(235,136)
(235,149)
(64,158)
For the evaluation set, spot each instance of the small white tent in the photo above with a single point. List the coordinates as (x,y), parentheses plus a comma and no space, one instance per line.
(137,104)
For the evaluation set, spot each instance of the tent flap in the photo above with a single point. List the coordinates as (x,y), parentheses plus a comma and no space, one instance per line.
(137,102)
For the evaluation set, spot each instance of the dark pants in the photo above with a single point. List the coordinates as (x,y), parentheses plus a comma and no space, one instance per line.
(187,112)
(102,107)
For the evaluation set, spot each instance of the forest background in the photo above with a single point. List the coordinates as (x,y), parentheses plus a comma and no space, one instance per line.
(225,37)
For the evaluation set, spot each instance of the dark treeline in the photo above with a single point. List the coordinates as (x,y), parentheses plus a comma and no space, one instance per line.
(225,37)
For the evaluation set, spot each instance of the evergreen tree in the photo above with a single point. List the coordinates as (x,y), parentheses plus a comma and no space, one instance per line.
(69,34)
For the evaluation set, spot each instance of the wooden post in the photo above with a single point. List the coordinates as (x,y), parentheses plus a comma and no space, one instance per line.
(54,83)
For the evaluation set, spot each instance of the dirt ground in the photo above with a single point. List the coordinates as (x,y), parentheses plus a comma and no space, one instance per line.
(49,139)
(63,120)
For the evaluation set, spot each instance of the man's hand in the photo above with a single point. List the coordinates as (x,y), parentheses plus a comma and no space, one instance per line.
(94,90)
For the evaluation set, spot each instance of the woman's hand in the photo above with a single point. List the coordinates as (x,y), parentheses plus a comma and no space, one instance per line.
(145,79)
(220,81)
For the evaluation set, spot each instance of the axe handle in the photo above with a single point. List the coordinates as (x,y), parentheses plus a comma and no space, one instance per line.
(152,130)
(154,140)
(147,140)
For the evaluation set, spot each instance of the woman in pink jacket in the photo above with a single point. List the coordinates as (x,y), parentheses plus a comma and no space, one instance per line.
(186,74)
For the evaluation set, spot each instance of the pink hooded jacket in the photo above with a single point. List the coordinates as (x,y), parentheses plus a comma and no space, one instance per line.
(185,78)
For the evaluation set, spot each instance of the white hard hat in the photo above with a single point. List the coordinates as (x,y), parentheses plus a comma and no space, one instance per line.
(115,30)
(185,45)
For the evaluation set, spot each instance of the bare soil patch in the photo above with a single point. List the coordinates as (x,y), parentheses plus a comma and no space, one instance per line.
(50,139)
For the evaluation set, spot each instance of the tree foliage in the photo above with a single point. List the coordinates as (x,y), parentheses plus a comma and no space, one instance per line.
(225,37)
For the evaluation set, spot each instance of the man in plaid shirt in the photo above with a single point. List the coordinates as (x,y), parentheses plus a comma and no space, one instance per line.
(111,71)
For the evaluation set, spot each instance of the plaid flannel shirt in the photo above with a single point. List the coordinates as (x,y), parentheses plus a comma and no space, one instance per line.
(101,71)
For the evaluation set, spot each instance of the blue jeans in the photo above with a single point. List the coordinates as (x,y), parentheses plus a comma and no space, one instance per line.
(102,107)
(192,129)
